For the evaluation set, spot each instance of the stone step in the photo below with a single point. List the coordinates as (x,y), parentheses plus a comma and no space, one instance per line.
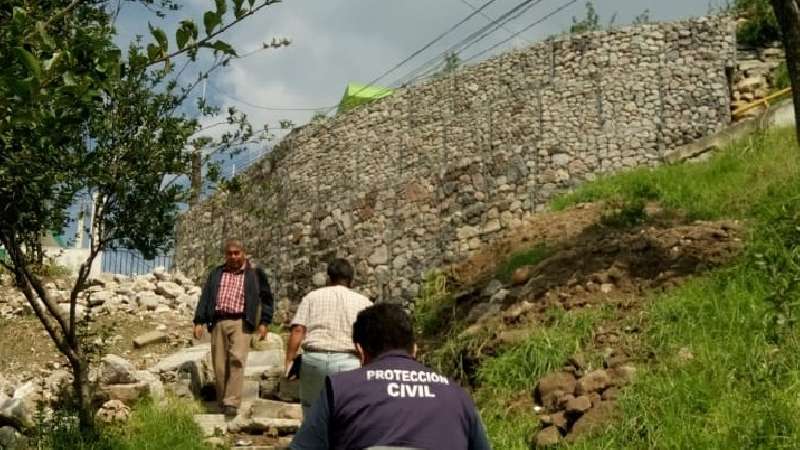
(259,362)
(275,409)
(211,424)
(261,425)
(177,360)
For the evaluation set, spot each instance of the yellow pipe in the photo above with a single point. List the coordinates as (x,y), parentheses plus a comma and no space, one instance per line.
(759,102)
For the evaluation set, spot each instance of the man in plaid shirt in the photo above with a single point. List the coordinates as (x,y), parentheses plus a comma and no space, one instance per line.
(324,326)
(236,300)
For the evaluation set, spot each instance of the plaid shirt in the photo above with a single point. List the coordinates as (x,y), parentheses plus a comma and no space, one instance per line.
(230,297)
(328,314)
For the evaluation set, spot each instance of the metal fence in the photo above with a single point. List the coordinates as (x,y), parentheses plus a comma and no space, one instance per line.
(131,262)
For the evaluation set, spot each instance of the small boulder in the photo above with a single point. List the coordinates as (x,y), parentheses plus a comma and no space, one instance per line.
(169,290)
(521,275)
(578,405)
(593,421)
(272,341)
(594,381)
(547,437)
(161,274)
(116,370)
(11,439)
(152,337)
(559,420)
(552,386)
(492,288)
(148,300)
(113,411)
(19,409)
(620,376)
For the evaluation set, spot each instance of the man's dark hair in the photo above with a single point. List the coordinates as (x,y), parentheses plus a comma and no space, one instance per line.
(339,270)
(383,327)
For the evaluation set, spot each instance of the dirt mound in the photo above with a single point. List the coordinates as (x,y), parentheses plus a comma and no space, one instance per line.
(591,262)
(604,260)
(545,227)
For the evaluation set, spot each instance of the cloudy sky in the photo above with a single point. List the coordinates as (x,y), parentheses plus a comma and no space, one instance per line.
(337,41)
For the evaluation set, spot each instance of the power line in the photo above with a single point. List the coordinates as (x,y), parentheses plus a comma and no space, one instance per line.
(424,47)
(547,16)
(479,54)
(489,18)
(475,37)
(270,108)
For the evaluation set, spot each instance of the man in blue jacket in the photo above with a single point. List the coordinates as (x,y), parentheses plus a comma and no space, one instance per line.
(392,401)
(236,300)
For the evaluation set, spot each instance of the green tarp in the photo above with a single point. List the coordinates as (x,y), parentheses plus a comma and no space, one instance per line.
(358,94)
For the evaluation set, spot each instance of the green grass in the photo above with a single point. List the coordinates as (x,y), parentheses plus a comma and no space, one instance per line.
(529,257)
(515,371)
(151,427)
(782,80)
(741,389)
(731,184)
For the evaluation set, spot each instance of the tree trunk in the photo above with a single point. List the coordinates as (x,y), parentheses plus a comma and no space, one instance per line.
(788,14)
(83,397)
(197,176)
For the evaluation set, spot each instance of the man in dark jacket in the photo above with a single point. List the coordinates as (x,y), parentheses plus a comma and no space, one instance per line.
(392,401)
(236,300)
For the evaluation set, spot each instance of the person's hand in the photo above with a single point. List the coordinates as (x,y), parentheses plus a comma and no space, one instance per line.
(198,331)
(262,332)
(287,367)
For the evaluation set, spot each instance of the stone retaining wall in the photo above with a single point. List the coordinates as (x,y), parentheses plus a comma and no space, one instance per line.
(429,174)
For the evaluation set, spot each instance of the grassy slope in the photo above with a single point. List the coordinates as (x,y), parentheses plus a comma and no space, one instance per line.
(151,427)
(742,387)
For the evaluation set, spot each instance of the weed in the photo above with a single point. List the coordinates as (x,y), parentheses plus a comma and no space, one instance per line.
(529,257)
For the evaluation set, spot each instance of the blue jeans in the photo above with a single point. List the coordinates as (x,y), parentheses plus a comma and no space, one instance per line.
(313,370)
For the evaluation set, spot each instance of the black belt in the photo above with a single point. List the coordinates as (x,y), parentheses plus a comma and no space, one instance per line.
(227,316)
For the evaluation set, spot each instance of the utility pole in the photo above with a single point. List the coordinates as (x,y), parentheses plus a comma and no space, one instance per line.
(197,165)
(788,14)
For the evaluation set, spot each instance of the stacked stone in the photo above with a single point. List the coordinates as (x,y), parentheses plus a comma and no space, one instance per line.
(755,77)
(575,402)
(432,173)
(156,293)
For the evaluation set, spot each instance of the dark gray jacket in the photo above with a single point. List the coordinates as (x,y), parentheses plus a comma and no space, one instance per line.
(258,302)
(393,401)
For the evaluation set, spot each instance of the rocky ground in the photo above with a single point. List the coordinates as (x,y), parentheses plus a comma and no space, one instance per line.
(591,265)
(144,325)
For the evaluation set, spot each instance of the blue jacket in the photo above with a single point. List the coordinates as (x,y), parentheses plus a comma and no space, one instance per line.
(393,401)
(258,302)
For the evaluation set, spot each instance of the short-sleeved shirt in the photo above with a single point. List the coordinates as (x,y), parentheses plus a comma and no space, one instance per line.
(328,314)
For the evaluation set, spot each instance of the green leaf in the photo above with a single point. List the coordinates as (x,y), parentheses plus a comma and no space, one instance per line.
(53,61)
(238,10)
(222,7)
(210,20)
(223,47)
(160,36)
(153,51)
(29,61)
(181,37)
(190,27)
(251,3)
(46,38)
(69,79)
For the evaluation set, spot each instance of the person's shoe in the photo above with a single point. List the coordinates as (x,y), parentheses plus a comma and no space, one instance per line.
(229,411)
